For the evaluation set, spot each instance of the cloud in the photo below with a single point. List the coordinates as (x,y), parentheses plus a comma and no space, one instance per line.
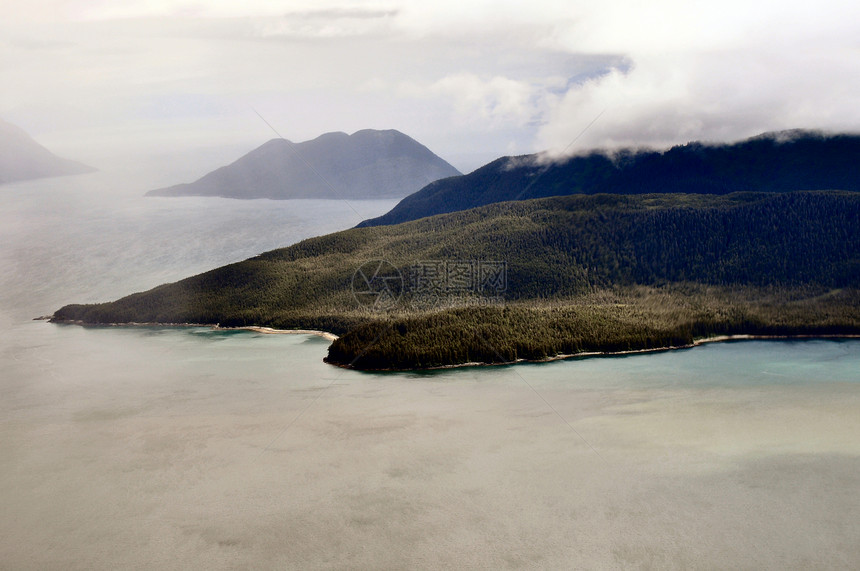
(492,100)
(460,75)
(713,71)
(329,23)
(297,9)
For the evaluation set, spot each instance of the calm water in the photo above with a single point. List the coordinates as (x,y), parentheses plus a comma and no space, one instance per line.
(190,448)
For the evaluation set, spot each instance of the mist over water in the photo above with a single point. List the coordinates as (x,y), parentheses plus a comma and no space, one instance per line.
(96,237)
(180,448)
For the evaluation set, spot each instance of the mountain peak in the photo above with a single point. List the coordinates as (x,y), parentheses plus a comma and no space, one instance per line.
(22,158)
(367,164)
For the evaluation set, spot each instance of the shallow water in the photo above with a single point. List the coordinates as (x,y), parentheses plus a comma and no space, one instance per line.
(180,448)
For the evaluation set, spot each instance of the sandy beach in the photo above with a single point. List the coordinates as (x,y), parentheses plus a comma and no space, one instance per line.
(269,330)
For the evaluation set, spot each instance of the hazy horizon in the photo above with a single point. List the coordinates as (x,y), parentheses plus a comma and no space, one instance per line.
(169,81)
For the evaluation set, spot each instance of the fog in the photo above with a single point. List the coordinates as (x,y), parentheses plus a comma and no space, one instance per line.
(173,81)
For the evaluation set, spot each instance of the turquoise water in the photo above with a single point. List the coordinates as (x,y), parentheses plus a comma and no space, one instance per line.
(181,448)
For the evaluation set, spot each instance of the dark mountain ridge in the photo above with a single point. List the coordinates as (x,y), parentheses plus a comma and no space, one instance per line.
(773,162)
(366,164)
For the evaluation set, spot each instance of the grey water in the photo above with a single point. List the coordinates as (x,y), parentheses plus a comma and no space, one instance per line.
(177,448)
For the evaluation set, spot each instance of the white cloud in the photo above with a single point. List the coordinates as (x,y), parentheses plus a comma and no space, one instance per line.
(462,75)
(496,99)
(107,10)
(714,71)
(328,24)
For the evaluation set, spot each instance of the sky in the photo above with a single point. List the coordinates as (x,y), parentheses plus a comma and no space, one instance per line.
(106,81)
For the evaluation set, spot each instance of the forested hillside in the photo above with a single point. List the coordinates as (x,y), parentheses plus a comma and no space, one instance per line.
(740,263)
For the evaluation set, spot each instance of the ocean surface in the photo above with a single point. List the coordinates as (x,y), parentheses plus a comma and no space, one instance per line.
(188,448)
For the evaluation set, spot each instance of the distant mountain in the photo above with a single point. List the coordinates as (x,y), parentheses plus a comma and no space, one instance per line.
(22,158)
(366,164)
(774,162)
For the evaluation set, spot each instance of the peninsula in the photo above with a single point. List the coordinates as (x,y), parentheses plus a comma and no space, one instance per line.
(564,276)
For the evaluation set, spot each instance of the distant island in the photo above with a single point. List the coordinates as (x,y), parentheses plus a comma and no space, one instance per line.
(368,164)
(22,158)
(539,279)
(772,162)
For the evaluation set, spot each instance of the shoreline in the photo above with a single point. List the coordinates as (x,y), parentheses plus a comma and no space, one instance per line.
(695,343)
(271,331)
(591,354)
(255,328)
(562,357)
